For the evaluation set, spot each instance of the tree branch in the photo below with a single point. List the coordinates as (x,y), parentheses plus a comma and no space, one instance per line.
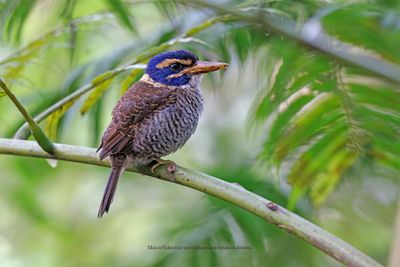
(229,192)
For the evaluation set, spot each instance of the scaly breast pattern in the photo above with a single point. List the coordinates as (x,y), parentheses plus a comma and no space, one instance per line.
(168,129)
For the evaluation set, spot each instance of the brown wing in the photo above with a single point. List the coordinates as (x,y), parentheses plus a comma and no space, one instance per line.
(139,102)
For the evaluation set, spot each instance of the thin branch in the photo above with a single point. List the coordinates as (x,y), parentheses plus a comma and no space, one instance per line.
(37,132)
(312,35)
(229,192)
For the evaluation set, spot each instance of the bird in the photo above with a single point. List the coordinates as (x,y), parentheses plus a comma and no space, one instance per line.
(156,115)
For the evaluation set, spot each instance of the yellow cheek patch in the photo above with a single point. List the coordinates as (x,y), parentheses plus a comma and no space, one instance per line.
(170,61)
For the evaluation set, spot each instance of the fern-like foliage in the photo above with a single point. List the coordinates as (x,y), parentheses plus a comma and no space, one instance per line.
(323,116)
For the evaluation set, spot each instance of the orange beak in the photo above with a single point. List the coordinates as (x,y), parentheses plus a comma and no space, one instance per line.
(204,67)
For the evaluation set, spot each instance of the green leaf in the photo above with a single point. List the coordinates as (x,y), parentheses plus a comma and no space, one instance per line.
(67,14)
(386,159)
(133,77)
(100,88)
(241,39)
(68,9)
(385,138)
(54,119)
(381,97)
(15,64)
(320,167)
(325,182)
(285,73)
(168,8)
(367,21)
(207,24)
(122,12)
(294,196)
(282,121)
(19,13)
(98,80)
(322,114)
(314,159)
(296,70)
(367,114)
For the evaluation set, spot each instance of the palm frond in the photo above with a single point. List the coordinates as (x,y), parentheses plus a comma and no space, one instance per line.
(323,118)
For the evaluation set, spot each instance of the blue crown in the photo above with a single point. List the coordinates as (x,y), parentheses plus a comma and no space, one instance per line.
(160,74)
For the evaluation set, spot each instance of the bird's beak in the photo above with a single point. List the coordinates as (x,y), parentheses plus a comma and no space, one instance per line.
(204,67)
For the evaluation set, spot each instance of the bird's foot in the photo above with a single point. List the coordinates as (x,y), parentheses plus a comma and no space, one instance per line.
(170,168)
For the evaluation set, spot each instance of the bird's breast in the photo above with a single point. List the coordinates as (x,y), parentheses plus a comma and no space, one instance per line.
(170,128)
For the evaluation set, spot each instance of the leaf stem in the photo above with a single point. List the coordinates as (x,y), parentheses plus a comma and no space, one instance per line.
(37,132)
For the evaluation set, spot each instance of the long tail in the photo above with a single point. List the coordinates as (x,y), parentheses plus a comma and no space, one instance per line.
(117,168)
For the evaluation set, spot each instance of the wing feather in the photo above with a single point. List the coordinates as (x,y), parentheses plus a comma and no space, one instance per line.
(139,102)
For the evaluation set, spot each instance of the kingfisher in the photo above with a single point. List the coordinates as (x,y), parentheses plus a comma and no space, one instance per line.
(156,115)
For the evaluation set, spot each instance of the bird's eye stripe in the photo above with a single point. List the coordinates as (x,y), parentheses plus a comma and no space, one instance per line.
(169,61)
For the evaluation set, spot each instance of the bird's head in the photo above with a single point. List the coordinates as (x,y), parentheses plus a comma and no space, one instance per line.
(179,67)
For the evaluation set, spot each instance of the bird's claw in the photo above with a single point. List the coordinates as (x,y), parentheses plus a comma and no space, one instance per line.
(170,169)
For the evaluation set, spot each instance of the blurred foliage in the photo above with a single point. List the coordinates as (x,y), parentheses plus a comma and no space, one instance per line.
(315,123)
(323,115)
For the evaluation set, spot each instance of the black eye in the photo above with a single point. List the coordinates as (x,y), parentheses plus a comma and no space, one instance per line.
(176,66)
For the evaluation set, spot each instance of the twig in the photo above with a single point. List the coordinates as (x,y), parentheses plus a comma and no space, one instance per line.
(229,192)
(37,132)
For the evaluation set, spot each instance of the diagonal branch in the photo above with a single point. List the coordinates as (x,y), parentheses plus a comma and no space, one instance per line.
(229,192)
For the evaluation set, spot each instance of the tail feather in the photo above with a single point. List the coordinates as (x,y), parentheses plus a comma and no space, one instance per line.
(109,192)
